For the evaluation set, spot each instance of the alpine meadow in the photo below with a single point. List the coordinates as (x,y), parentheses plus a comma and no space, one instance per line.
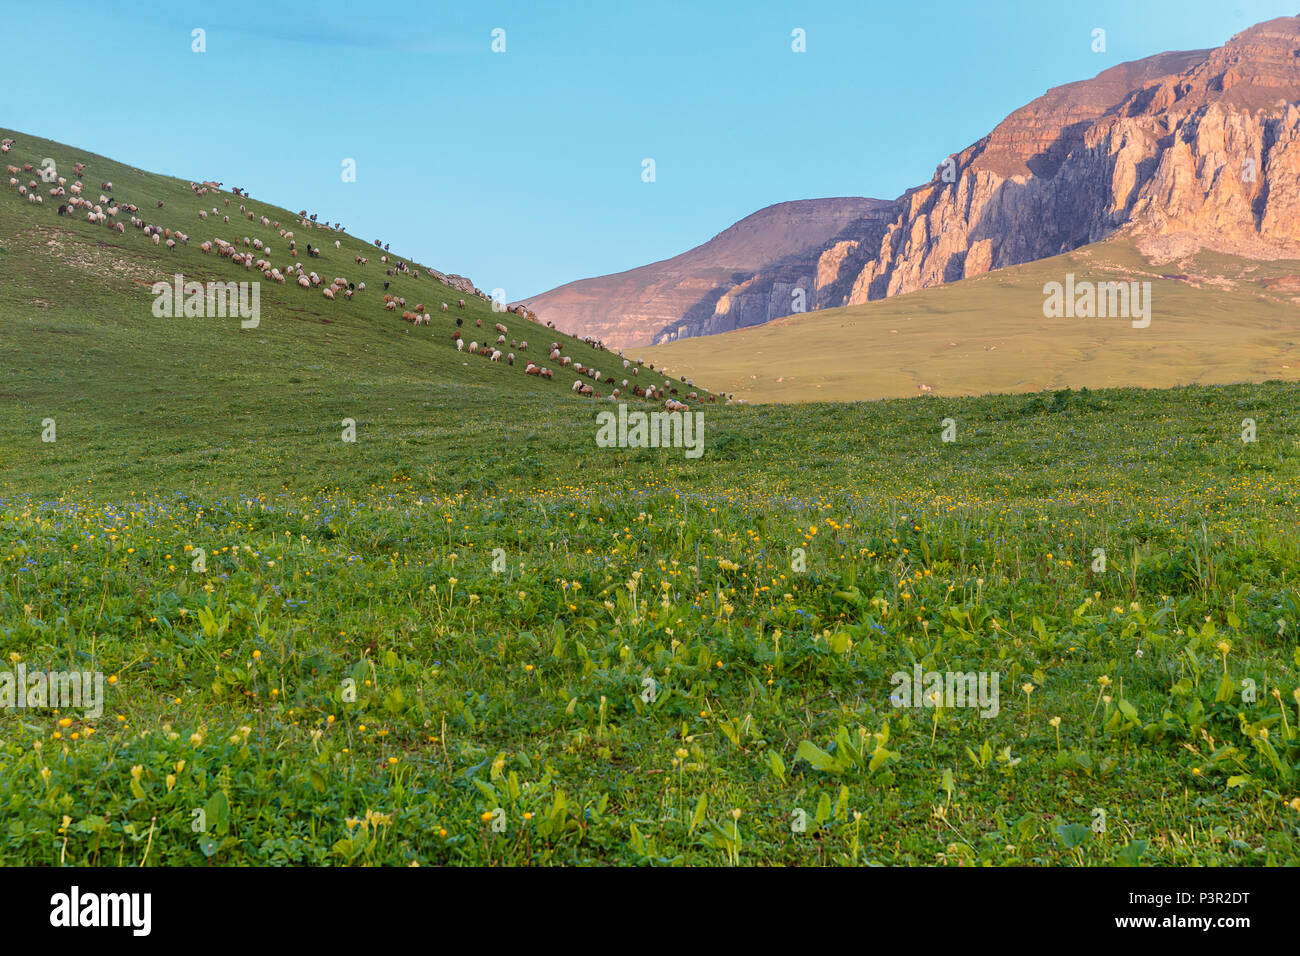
(939,565)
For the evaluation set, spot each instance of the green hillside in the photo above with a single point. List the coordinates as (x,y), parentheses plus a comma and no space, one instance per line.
(1215,319)
(475,637)
(81,344)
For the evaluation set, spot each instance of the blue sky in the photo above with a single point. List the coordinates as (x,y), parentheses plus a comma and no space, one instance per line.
(523,169)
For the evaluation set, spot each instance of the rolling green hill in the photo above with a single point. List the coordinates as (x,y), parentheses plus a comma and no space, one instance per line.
(79,343)
(1215,319)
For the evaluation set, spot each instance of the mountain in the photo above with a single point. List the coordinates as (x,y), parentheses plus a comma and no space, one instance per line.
(1183,150)
(745,275)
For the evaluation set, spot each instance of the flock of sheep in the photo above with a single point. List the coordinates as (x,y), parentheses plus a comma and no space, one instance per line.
(253,253)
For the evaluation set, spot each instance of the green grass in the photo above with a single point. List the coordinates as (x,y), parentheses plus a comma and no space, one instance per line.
(520,685)
(1215,319)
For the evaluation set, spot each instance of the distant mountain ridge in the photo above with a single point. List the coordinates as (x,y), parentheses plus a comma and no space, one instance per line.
(1184,149)
(756,263)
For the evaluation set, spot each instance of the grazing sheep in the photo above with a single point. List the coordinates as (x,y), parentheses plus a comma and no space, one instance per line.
(473,347)
(511,358)
(501,340)
(444,308)
(329,292)
(496,355)
(461,303)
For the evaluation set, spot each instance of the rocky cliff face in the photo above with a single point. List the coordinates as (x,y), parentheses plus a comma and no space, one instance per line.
(1200,144)
(1198,148)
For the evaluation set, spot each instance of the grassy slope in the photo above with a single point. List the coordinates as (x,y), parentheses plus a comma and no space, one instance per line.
(374,561)
(81,345)
(988,334)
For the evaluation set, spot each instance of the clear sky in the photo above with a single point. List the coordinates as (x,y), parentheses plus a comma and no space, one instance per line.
(523,169)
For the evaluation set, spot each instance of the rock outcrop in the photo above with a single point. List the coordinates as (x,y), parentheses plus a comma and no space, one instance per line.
(1200,143)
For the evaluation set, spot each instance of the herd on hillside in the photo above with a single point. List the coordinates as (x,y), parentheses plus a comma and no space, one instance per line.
(253,253)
